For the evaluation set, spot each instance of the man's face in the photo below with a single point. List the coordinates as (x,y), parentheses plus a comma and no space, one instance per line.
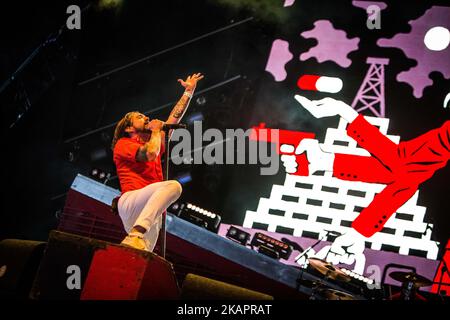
(139,123)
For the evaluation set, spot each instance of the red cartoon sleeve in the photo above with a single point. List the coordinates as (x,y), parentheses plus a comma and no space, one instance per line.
(435,143)
(371,139)
(383,206)
(360,168)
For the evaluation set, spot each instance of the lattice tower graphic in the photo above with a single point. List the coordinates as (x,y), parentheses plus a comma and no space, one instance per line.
(306,206)
(371,93)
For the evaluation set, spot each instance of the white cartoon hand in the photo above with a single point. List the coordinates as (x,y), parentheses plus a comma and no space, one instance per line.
(288,158)
(318,159)
(348,248)
(327,107)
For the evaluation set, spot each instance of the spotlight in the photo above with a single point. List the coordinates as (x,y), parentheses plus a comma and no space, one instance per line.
(99,175)
(238,235)
(358,277)
(94,172)
(196,215)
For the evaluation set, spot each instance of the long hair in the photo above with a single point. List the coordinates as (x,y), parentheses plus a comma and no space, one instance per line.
(120,132)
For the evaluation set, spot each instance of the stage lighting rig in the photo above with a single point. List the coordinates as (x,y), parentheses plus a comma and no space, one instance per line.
(199,216)
(358,277)
(100,175)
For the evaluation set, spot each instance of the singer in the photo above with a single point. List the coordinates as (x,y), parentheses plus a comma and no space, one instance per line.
(137,147)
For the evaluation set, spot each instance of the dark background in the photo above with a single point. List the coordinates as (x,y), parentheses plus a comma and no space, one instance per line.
(60,133)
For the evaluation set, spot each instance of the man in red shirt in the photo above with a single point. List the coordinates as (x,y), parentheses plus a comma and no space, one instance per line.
(137,145)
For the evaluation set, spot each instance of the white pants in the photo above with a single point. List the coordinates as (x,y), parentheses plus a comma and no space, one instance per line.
(144,207)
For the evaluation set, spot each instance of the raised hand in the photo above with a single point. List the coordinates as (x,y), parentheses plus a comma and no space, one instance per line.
(191,81)
(327,107)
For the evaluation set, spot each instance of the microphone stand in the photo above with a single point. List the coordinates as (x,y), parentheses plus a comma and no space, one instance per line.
(165,178)
(166,129)
(311,247)
(300,276)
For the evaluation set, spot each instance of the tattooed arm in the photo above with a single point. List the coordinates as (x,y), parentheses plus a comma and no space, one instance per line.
(150,150)
(182,105)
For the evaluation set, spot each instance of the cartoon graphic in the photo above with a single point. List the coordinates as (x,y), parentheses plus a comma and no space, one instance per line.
(365,4)
(313,201)
(286,139)
(313,205)
(414,47)
(333,45)
(401,167)
(446,100)
(371,93)
(441,283)
(278,57)
(355,201)
(288,3)
(320,83)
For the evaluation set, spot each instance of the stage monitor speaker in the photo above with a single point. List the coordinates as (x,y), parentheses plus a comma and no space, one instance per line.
(66,260)
(200,288)
(119,273)
(80,268)
(19,261)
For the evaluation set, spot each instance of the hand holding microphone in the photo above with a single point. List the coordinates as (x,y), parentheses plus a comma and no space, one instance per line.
(169,126)
(158,125)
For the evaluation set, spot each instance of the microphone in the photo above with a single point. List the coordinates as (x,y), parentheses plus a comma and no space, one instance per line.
(169,126)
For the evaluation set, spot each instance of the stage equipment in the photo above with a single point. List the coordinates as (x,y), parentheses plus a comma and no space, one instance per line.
(196,215)
(238,235)
(272,247)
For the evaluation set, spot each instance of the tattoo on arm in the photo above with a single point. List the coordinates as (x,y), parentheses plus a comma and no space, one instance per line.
(150,150)
(141,154)
(180,107)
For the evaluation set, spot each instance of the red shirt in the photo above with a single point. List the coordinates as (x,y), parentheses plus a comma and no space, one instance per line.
(133,174)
